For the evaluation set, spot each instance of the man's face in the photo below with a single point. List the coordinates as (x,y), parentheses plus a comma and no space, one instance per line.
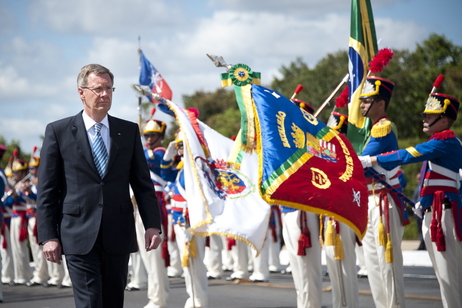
(430,126)
(180,147)
(19,175)
(33,171)
(97,94)
(366,105)
(153,140)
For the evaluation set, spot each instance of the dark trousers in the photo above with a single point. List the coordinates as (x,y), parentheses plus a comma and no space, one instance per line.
(98,279)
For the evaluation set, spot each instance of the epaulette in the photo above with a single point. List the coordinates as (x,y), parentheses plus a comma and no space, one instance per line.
(381,128)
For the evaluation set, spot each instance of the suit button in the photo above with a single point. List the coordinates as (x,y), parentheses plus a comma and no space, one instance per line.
(101,183)
(100,205)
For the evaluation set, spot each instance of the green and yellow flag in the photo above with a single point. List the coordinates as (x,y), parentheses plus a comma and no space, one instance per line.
(362,48)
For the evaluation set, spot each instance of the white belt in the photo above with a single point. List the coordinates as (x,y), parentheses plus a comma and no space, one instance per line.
(19,208)
(446,183)
(377,186)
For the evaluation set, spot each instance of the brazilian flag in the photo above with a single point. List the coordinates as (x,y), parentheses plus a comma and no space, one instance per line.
(362,48)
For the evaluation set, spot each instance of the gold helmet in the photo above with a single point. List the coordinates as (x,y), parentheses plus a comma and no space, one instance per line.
(179,136)
(34,160)
(154,127)
(19,164)
(442,104)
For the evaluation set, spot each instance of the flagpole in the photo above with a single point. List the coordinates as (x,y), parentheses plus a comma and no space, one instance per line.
(327,101)
(140,117)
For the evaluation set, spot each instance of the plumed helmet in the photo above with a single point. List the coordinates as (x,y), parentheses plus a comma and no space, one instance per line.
(376,86)
(338,121)
(303,105)
(34,159)
(154,127)
(442,104)
(19,164)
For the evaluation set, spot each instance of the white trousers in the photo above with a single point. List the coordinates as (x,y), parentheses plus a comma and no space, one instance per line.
(306,270)
(447,264)
(7,257)
(213,256)
(20,251)
(342,273)
(385,279)
(157,279)
(175,269)
(40,273)
(261,262)
(195,275)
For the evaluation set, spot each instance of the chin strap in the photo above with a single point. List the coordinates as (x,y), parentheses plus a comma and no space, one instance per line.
(436,120)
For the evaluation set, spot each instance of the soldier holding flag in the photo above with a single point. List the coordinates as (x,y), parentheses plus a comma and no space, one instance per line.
(440,200)
(387,216)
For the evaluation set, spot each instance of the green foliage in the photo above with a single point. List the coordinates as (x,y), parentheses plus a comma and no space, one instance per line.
(9,151)
(410,231)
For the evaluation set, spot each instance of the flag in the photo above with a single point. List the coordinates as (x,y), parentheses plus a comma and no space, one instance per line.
(362,48)
(221,200)
(306,165)
(151,77)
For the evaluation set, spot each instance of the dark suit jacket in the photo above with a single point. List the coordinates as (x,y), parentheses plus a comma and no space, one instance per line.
(74,203)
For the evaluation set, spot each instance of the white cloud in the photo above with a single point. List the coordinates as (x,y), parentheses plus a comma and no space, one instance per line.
(46,42)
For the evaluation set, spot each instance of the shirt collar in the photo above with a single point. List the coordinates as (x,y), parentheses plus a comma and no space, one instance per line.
(89,122)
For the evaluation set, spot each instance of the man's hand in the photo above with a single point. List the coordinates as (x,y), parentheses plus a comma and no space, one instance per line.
(170,152)
(365,161)
(52,251)
(152,238)
(417,209)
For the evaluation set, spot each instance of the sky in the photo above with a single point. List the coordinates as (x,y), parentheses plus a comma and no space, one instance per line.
(44,43)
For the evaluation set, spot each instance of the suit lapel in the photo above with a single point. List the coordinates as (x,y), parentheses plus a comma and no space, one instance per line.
(81,139)
(114,139)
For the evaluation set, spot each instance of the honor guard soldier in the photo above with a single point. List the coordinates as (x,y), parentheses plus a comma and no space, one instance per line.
(156,261)
(440,200)
(192,248)
(5,248)
(19,196)
(300,231)
(40,273)
(339,245)
(387,214)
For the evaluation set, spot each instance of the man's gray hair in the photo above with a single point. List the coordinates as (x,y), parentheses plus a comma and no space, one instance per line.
(89,69)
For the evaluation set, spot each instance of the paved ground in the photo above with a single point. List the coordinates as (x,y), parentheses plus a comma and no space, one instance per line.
(422,290)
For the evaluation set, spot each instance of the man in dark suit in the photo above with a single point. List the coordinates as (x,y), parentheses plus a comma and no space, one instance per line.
(84,207)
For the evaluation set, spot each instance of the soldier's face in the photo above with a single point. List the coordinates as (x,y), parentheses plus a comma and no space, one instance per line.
(433,123)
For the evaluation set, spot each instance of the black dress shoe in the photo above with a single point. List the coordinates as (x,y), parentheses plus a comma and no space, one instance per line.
(32,284)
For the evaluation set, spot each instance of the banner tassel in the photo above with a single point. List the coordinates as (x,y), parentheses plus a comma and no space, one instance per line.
(330,240)
(389,250)
(338,248)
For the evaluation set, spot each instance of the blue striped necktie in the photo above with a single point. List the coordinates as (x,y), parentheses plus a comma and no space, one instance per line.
(99,151)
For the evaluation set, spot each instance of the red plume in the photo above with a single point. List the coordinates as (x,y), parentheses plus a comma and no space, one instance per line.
(438,81)
(342,100)
(195,111)
(298,89)
(380,60)
(15,153)
(34,150)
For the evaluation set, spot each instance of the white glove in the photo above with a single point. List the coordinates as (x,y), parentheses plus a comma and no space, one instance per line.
(170,152)
(365,161)
(417,209)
